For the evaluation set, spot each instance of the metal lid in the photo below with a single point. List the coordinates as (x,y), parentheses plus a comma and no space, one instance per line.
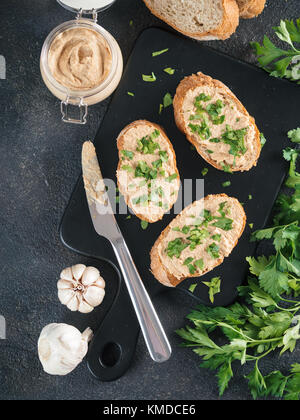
(87,6)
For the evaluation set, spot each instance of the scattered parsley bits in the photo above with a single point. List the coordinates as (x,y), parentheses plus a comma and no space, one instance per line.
(263,140)
(131,23)
(144,224)
(169,70)
(130,94)
(193,287)
(128,217)
(127,168)
(204,171)
(161,107)
(214,287)
(168,100)
(226,184)
(157,53)
(250,197)
(128,154)
(251,225)
(171,177)
(146,145)
(149,78)
(175,247)
(226,168)
(213,250)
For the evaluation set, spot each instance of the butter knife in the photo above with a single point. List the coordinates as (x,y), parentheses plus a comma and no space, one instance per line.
(106,225)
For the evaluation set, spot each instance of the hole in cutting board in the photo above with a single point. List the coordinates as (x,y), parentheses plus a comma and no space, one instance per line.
(111,355)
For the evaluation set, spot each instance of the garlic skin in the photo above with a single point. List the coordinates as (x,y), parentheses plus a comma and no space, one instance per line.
(81,288)
(61,348)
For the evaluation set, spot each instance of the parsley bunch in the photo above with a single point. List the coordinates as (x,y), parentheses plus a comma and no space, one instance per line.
(267,317)
(281,62)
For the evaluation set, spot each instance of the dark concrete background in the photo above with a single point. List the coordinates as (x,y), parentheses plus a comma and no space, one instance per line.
(39,165)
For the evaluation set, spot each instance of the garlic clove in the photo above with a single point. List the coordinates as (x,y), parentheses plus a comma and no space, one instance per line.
(90,276)
(100,283)
(73,303)
(65,295)
(64,284)
(78,270)
(84,307)
(94,295)
(66,274)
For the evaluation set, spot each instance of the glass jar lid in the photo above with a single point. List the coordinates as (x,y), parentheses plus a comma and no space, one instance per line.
(87,6)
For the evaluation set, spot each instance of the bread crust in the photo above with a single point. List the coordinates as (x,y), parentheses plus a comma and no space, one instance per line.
(120,146)
(200,79)
(157,267)
(227,27)
(251,9)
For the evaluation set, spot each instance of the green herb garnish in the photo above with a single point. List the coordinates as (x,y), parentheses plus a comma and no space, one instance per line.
(169,70)
(128,154)
(157,53)
(175,247)
(172,177)
(277,61)
(149,78)
(144,224)
(168,100)
(214,287)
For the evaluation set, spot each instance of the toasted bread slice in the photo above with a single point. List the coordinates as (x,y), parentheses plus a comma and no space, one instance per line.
(199,19)
(147,173)
(198,239)
(216,123)
(250,8)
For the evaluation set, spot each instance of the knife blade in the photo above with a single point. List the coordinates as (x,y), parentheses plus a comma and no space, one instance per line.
(105,225)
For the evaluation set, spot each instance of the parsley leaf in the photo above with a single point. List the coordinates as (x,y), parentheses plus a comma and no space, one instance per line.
(281,62)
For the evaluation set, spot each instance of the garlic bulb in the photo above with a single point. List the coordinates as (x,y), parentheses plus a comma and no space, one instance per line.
(81,288)
(62,347)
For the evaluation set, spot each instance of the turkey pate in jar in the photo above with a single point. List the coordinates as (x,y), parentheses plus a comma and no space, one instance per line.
(81,64)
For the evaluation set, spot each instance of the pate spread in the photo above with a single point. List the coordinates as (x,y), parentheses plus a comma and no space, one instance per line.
(147,173)
(92,177)
(219,125)
(202,235)
(79,59)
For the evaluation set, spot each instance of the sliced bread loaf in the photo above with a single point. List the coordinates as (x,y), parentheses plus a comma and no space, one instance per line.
(199,19)
(147,173)
(216,123)
(250,8)
(198,239)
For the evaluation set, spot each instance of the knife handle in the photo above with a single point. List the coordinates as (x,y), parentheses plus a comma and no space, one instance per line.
(153,332)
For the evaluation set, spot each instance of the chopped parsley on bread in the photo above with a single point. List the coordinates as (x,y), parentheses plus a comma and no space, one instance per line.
(216,123)
(147,174)
(198,239)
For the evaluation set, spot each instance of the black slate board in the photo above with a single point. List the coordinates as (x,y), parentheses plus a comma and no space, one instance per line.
(273,104)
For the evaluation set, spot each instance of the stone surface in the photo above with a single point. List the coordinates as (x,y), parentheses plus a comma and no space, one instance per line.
(39,165)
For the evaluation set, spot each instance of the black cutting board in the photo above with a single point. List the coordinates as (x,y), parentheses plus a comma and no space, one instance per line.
(273,103)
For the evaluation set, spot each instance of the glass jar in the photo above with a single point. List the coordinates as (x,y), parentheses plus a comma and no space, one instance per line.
(82,98)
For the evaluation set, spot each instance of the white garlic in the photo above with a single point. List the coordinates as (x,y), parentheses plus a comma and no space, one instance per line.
(62,347)
(81,288)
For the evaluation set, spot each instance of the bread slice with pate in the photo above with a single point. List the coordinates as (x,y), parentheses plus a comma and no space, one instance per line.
(198,239)
(147,174)
(250,8)
(200,19)
(216,123)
